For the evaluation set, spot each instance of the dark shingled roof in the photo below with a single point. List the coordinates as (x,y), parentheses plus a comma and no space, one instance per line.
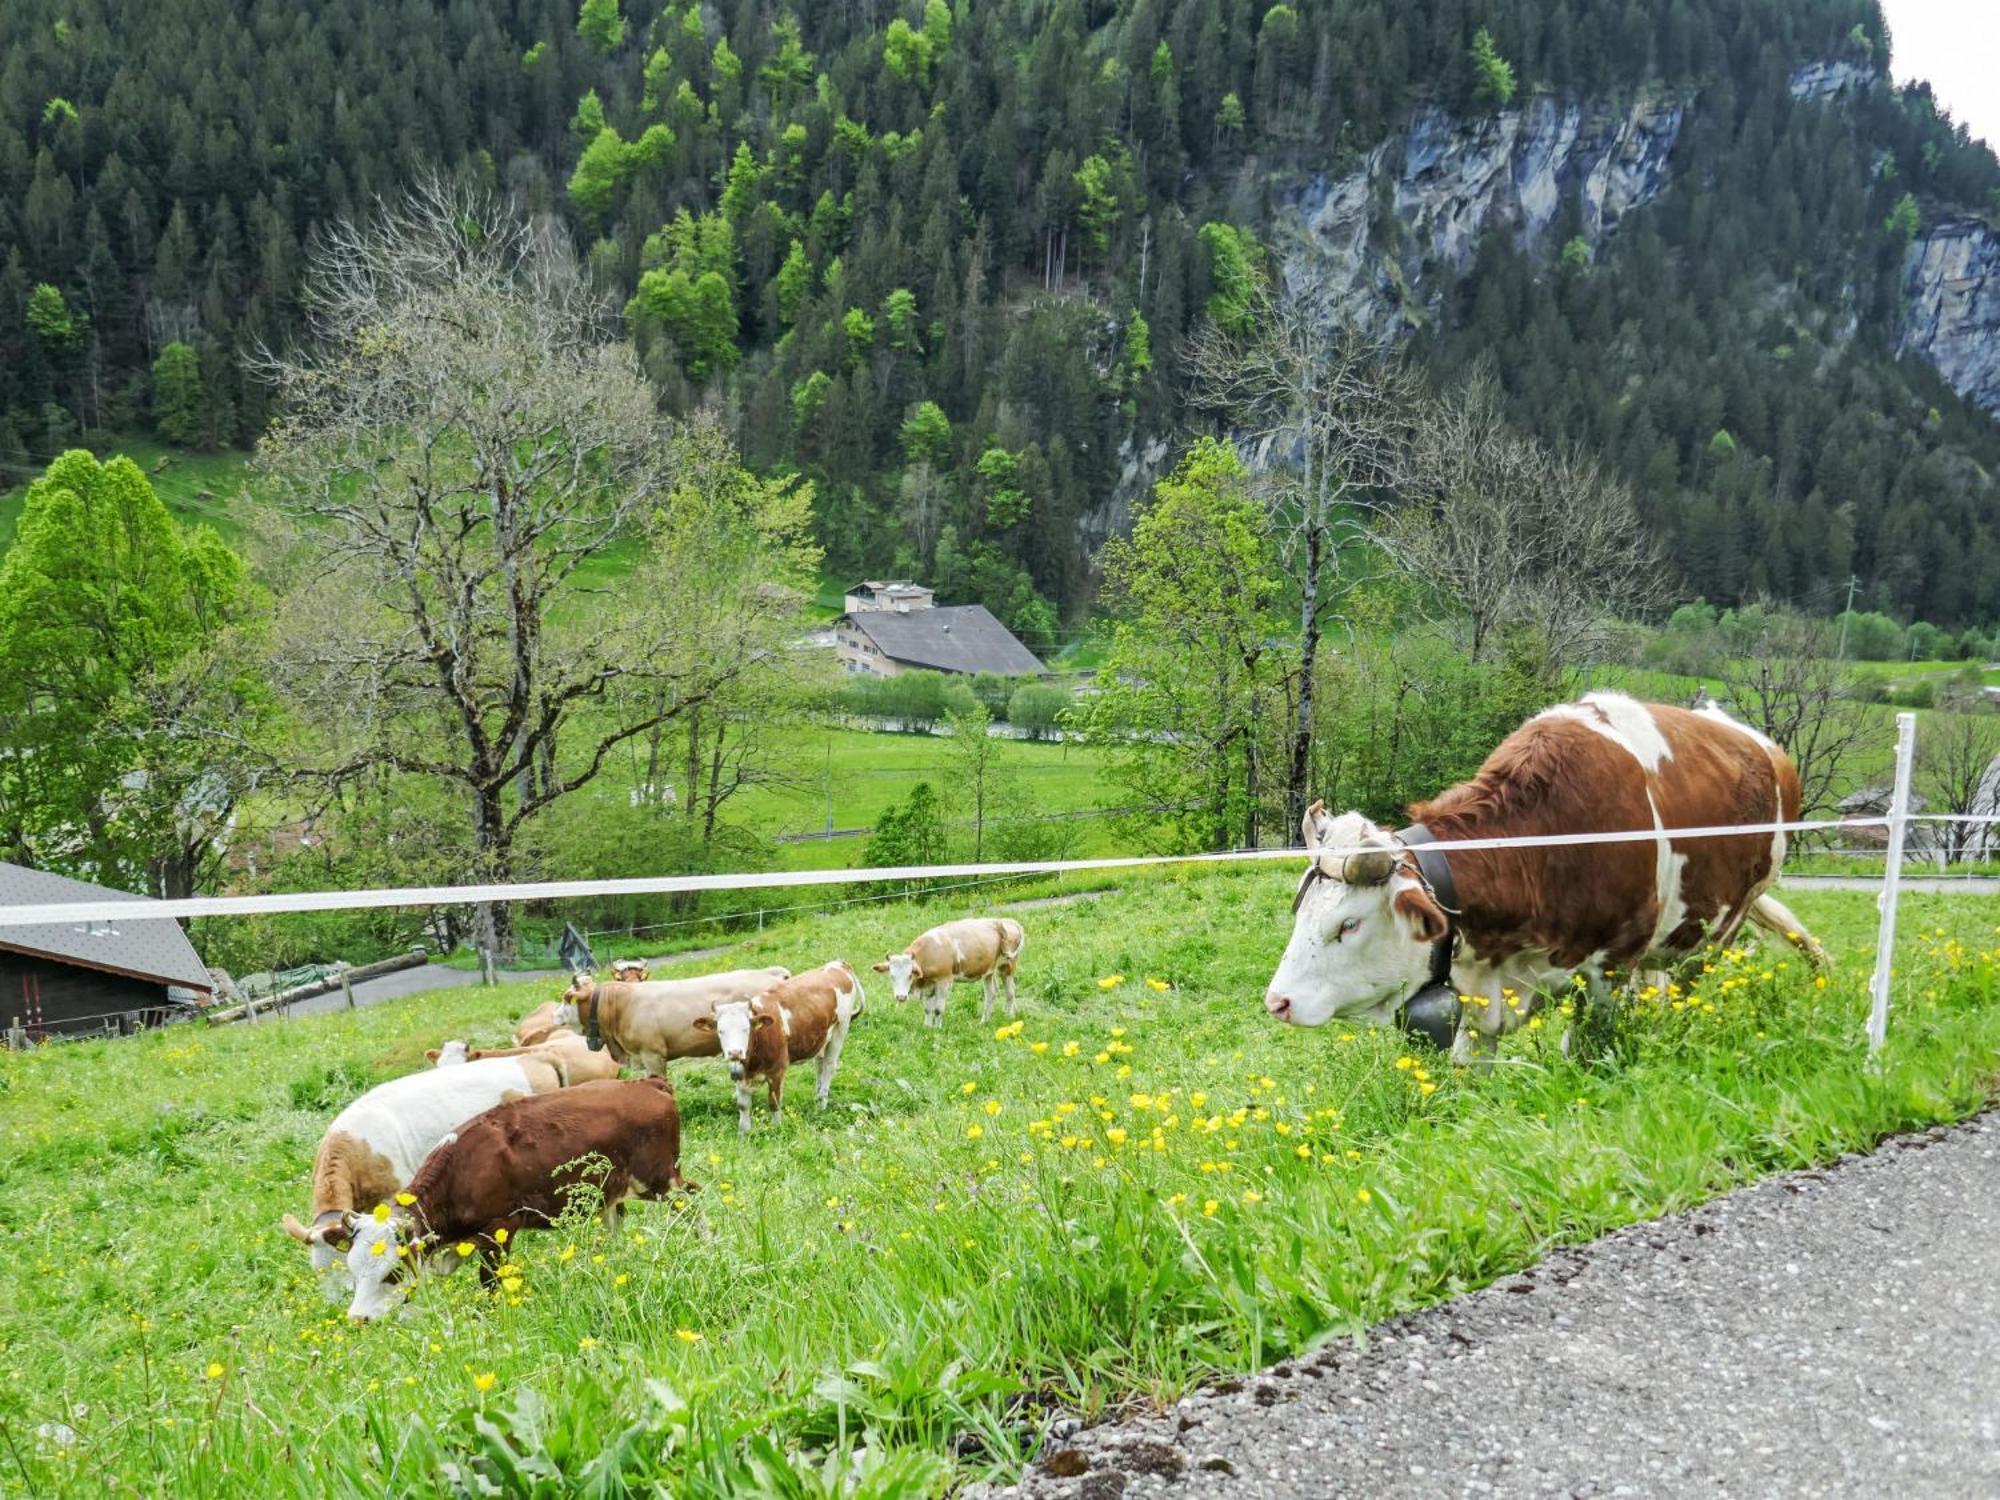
(156,949)
(949,638)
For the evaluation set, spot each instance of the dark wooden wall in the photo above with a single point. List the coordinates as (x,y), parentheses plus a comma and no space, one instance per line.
(72,998)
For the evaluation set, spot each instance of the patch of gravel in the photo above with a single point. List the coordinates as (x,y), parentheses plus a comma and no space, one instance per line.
(1825,1333)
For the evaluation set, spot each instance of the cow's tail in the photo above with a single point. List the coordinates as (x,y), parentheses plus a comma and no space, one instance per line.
(1771,914)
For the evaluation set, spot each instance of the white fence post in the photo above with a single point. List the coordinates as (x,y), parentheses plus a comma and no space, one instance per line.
(1892,879)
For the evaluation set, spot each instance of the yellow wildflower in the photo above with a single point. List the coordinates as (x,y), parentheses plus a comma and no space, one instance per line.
(1362,1195)
(687,1336)
(483,1382)
(1208,1208)
(214,1370)
(1110,981)
(1158,986)
(585,1345)
(992,1107)
(974,1132)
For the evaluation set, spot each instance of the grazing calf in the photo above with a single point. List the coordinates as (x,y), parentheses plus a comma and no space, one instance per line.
(563,1048)
(653,1023)
(514,1168)
(983,948)
(376,1144)
(804,1017)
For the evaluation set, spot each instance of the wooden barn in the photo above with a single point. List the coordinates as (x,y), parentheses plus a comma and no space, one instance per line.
(71,978)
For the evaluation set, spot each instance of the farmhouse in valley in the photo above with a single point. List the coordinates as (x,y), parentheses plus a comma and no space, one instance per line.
(890,628)
(92,976)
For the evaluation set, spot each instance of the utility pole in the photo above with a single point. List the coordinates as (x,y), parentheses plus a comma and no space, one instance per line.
(1853,583)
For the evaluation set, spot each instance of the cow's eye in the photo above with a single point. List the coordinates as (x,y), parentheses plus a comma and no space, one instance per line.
(1347,928)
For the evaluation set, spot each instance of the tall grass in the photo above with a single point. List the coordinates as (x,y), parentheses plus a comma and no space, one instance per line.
(1141,1184)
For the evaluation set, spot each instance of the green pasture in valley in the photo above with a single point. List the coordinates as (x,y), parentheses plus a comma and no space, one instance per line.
(1142,1183)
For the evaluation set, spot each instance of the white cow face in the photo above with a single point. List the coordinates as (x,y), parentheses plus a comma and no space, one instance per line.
(565,1015)
(451,1054)
(1362,934)
(902,972)
(732,1024)
(382,1261)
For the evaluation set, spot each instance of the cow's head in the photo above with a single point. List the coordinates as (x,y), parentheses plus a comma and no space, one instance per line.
(449,1055)
(382,1258)
(581,996)
(903,972)
(732,1022)
(1362,930)
(630,970)
(327,1239)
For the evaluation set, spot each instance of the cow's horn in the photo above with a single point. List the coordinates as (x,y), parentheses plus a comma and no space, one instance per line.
(1370,867)
(1309,825)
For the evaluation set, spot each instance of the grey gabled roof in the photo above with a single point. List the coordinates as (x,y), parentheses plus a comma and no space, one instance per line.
(142,949)
(948,638)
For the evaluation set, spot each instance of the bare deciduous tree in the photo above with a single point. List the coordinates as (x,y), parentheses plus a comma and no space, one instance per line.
(462,442)
(1325,411)
(1495,529)
(1956,755)
(1789,685)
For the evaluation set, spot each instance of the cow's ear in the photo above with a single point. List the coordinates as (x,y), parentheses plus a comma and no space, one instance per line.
(762,1019)
(433,1054)
(704,1023)
(1424,914)
(882,968)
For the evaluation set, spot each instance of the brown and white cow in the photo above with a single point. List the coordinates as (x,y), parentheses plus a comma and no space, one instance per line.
(804,1017)
(561,1047)
(983,948)
(652,1023)
(514,1168)
(1371,933)
(375,1145)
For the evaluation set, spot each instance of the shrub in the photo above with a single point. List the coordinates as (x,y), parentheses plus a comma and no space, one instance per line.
(1037,707)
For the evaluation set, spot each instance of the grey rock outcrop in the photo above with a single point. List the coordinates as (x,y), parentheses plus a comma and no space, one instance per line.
(1369,239)
(1952,276)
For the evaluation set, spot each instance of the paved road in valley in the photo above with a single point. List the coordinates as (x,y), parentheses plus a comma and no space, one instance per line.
(1827,1333)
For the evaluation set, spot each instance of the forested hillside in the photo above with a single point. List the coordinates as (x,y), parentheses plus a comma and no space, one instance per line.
(945,260)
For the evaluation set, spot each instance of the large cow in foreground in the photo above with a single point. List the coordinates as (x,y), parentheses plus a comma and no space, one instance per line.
(1382,935)
(375,1145)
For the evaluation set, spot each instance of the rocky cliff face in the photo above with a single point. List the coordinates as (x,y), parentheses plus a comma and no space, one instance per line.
(1952,275)
(1370,240)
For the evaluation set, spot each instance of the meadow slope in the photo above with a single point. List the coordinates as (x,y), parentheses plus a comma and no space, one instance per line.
(1141,1184)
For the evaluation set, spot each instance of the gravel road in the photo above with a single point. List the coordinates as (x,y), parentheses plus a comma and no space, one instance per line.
(1826,1333)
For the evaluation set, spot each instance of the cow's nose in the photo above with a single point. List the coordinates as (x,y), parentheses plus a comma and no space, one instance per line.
(1278,1005)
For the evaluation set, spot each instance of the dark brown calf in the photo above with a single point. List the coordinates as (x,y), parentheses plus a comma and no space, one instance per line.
(515,1168)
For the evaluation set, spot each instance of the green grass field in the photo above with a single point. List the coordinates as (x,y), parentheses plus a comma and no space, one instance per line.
(1144,1184)
(194,486)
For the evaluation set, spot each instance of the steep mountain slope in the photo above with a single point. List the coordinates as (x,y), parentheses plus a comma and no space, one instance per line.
(945,259)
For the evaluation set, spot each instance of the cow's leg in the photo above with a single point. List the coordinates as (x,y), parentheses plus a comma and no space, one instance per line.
(1769,913)
(934,998)
(614,1214)
(986,983)
(1009,977)
(743,1105)
(776,1086)
(1473,1047)
(829,1061)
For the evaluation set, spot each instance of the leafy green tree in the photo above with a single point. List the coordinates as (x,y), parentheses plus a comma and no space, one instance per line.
(1232,272)
(1185,699)
(907,52)
(899,311)
(131,695)
(911,833)
(57,324)
(926,435)
(1904,219)
(1098,207)
(809,396)
(180,407)
(980,779)
(1037,707)
(598,23)
(858,329)
(1492,75)
(794,282)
